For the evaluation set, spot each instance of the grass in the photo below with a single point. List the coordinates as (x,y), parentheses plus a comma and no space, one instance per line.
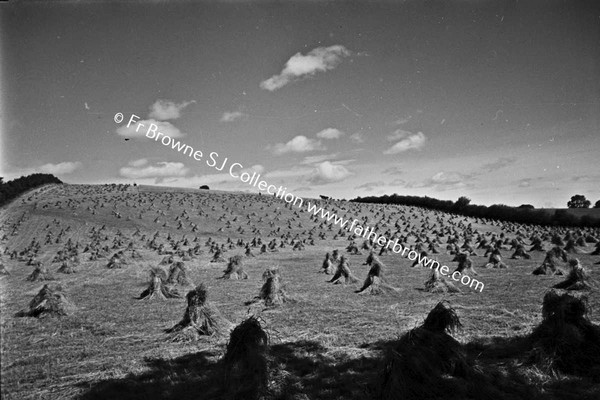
(328,344)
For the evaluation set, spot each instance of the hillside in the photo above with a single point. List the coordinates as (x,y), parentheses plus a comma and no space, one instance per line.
(327,342)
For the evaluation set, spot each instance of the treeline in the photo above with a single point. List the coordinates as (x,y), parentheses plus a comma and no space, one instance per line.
(501,212)
(12,189)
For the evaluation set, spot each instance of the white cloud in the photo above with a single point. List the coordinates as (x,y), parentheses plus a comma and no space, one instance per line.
(299,144)
(288,173)
(370,185)
(330,133)
(500,163)
(446,180)
(409,141)
(398,134)
(138,163)
(402,121)
(327,172)
(525,182)
(397,182)
(320,59)
(231,116)
(357,138)
(259,169)
(318,158)
(159,170)
(393,171)
(142,127)
(167,109)
(584,178)
(62,168)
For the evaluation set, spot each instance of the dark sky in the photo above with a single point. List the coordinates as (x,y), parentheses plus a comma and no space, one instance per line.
(496,100)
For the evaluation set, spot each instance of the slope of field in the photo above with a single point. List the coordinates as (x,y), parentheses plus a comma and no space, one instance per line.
(329,343)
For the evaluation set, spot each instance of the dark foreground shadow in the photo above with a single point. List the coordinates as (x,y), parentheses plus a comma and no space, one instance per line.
(306,370)
(299,370)
(187,377)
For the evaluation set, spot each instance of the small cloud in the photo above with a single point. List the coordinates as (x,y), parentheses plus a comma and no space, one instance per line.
(138,130)
(345,162)
(525,182)
(397,182)
(357,138)
(231,116)
(393,171)
(138,163)
(259,169)
(330,133)
(321,59)
(397,135)
(370,185)
(448,177)
(327,172)
(308,160)
(62,168)
(498,164)
(444,181)
(299,144)
(292,172)
(408,141)
(167,109)
(159,170)
(585,178)
(402,121)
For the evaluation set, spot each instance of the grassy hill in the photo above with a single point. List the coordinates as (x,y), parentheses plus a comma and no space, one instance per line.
(328,343)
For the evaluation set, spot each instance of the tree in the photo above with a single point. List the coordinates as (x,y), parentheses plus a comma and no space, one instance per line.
(462,202)
(204,187)
(526,206)
(597,205)
(579,201)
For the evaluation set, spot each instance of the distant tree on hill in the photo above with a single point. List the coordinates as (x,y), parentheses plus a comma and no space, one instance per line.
(579,201)
(597,205)
(527,206)
(12,189)
(462,202)
(205,187)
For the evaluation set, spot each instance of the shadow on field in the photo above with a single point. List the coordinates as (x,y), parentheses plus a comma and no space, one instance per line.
(299,370)
(512,365)
(305,370)
(314,372)
(187,377)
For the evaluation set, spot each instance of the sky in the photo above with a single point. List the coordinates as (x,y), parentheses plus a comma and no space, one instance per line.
(498,101)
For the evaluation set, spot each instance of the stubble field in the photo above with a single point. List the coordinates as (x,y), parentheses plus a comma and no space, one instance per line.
(328,343)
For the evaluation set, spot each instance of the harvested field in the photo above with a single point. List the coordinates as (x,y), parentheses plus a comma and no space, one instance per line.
(329,343)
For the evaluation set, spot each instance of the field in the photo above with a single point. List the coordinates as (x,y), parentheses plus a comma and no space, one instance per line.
(328,343)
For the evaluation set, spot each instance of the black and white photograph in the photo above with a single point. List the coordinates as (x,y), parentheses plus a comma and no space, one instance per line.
(300,199)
